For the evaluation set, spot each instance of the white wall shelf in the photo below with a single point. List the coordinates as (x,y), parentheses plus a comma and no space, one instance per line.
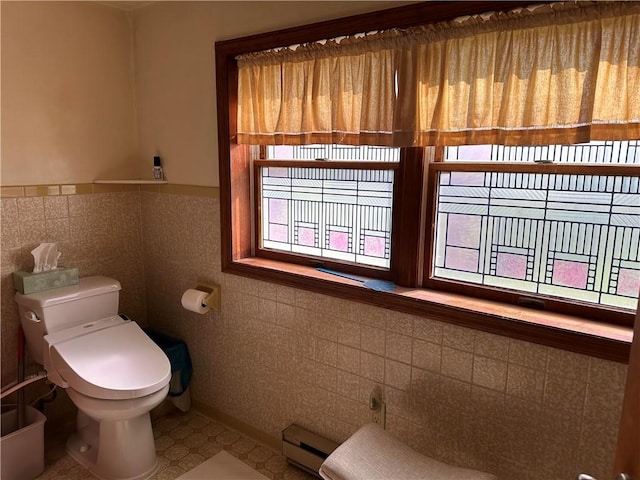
(132,182)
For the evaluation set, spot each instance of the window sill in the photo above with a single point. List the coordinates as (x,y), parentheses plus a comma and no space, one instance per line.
(598,339)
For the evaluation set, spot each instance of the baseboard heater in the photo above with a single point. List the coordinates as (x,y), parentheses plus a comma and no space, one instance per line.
(305,449)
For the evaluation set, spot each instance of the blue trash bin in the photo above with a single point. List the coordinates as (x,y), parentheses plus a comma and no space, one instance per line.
(178,354)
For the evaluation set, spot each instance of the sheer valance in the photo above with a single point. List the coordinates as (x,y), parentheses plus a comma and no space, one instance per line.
(332,93)
(563,76)
(562,73)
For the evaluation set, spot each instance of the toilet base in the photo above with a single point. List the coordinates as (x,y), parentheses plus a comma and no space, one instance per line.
(120,449)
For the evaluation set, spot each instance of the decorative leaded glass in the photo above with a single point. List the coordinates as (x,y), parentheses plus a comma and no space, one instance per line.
(564,235)
(334,213)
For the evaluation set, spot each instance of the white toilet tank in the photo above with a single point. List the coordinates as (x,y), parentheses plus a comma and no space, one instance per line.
(53,310)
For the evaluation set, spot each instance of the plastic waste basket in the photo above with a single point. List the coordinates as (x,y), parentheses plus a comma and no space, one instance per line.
(22,450)
(181,368)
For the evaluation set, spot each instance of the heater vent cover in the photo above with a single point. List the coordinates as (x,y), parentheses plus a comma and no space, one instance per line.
(305,449)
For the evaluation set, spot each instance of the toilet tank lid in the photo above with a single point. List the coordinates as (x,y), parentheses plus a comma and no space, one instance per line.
(87,287)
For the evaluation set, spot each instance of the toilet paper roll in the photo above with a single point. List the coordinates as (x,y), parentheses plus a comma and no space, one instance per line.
(193,300)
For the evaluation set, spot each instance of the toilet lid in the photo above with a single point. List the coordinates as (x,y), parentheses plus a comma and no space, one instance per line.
(117,362)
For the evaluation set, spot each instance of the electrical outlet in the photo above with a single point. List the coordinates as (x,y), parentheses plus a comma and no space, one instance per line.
(379,416)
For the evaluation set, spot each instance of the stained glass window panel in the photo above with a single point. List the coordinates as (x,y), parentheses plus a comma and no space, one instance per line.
(339,214)
(562,235)
(278,211)
(570,274)
(609,152)
(334,152)
(306,236)
(462,259)
(628,282)
(573,236)
(468,178)
(463,231)
(511,266)
(278,233)
(339,241)
(374,246)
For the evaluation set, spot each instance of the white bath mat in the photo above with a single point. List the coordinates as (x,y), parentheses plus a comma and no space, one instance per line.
(222,466)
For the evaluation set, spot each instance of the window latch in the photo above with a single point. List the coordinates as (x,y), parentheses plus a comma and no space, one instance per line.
(531,302)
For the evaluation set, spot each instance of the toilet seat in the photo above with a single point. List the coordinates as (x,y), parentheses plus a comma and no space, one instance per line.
(108,359)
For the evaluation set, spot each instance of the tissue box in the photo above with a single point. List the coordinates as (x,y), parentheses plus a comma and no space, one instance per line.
(29,282)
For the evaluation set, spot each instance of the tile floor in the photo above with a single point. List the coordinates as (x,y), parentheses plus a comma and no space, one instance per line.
(183,441)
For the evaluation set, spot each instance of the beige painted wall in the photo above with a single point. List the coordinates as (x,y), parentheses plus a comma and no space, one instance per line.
(175,84)
(70,111)
(67,93)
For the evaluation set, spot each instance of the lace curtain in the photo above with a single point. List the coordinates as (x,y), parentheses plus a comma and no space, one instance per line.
(560,73)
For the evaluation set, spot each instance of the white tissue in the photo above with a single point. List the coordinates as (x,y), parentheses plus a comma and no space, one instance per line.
(45,257)
(193,300)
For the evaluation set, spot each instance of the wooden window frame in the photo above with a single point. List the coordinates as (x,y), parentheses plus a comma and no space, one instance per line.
(409,257)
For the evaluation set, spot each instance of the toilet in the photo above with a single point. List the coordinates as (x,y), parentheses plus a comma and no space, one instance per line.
(112,371)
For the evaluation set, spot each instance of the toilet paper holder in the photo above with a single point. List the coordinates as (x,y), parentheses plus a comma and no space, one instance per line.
(213,299)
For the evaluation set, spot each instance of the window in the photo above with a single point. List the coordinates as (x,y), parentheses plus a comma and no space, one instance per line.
(433,208)
(531,221)
(330,203)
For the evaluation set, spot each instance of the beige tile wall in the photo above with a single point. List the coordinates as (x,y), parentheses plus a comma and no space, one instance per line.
(98,233)
(276,355)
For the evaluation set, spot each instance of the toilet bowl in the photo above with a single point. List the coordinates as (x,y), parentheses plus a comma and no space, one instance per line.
(112,371)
